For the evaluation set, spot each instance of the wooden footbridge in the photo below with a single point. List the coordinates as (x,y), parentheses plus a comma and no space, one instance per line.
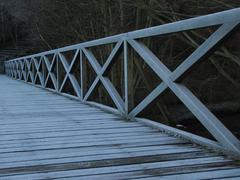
(48,136)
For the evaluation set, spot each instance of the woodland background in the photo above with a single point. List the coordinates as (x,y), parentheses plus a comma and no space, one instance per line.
(30,26)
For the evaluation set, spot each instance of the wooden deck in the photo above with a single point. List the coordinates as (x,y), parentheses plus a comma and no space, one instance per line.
(47,136)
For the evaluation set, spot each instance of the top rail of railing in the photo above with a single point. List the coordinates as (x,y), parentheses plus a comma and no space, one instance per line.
(21,68)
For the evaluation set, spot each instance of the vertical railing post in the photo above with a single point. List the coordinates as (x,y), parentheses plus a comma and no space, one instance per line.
(125,69)
(81,73)
(43,71)
(57,59)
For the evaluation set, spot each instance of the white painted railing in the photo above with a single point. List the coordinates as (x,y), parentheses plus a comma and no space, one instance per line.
(21,68)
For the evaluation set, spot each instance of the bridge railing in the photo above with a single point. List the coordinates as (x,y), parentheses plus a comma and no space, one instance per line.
(29,69)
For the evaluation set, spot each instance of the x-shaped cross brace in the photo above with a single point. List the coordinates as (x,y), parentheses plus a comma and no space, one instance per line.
(37,64)
(49,69)
(105,81)
(210,121)
(14,70)
(21,69)
(68,69)
(29,73)
(22,64)
(18,75)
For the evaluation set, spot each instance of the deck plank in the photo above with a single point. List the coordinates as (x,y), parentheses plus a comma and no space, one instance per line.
(47,136)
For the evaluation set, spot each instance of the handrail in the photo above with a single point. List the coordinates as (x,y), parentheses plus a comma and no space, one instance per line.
(20,68)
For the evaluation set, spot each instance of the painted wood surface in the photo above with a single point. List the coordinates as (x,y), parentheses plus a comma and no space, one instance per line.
(47,136)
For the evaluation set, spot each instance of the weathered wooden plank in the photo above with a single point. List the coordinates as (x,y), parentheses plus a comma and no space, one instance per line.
(96,148)
(81,139)
(85,155)
(43,119)
(68,133)
(76,136)
(121,172)
(78,143)
(15,130)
